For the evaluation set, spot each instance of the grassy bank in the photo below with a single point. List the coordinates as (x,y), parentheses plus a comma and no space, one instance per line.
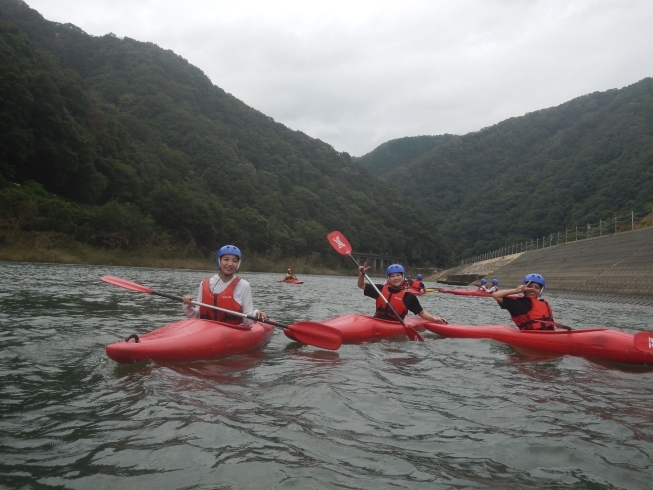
(50,247)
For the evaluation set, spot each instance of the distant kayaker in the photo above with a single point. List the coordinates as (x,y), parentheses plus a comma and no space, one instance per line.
(495,286)
(417,284)
(482,287)
(402,300)
(527,311)
(290,275)
(224,290)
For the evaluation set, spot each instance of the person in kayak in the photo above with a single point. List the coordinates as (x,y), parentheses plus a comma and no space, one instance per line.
(417,285)
(402,300)
(528,310)
(495,286)
(482,287)
(290,275)
(224,290)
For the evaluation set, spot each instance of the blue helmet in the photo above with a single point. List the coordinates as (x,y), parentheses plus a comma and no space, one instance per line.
(483,281)
(394,268)
(536,278)
(231,250)
(418,277)
(495,282)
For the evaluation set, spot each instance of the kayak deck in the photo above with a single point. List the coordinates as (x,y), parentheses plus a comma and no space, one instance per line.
(193,339)
(601,343)
(356,328)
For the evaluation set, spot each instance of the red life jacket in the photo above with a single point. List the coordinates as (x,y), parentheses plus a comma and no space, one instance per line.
(397,302)
(224,299)
(417,285)
(540,310)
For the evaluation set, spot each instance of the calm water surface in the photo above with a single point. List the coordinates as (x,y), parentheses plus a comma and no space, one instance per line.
(446,413)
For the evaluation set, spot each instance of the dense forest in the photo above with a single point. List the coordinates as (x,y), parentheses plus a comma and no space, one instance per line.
(120,143)
(395,153)
(585,160)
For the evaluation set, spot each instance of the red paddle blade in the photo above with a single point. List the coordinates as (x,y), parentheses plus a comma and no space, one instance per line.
(412,333)
(316,334)
(644,342)
(124,283)
(339,243)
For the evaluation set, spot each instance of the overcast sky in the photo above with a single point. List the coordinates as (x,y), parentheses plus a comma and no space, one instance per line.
(358,73)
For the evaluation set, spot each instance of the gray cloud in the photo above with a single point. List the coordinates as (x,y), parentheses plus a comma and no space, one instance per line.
(355,74)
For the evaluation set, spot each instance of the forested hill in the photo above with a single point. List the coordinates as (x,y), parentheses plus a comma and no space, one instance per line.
(140,146)
(398,152)
(528,176)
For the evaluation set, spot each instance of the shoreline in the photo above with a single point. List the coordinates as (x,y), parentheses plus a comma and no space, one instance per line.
(56,248)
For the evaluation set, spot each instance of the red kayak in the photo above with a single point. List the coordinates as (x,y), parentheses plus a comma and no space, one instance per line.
(601,343)
(355,327)
(189,340)
(464,292)
(471,292)
(291,281)
(416,292)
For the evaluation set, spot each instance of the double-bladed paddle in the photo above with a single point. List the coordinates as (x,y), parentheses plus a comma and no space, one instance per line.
(310,333)
(342,246)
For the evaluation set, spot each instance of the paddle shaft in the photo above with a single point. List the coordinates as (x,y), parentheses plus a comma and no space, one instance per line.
(224,310)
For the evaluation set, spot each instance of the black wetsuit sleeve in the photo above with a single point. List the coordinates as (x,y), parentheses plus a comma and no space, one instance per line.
(516,306)
(412,303)
(370,291)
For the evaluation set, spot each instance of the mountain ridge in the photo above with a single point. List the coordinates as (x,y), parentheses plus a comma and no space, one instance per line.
(137,143)
(584,160)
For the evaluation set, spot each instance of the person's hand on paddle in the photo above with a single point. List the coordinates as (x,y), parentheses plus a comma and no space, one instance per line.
(260,315)
(186,299)
(362,269)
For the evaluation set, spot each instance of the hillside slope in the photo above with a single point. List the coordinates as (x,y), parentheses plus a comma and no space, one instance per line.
(137,144)
(398,152)
(585,160)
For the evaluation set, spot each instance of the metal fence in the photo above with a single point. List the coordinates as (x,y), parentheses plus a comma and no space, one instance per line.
(618,224)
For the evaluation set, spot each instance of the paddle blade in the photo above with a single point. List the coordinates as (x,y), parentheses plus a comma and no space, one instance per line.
(339,243)
(644,342)
(316,334)
(124,283)
(412,333)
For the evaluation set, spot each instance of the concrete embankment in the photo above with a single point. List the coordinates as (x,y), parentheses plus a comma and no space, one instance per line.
(600,267)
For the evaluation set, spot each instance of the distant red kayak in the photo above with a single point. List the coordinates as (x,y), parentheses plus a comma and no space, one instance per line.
(601,343)
(291,281)
(471,292)
(189,340)
(416,292)
(356,328)
(464,292)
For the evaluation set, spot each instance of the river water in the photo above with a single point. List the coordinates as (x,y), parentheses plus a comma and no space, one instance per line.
(446,413)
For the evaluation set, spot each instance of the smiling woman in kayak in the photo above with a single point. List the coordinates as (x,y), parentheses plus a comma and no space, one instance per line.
(224,290)
(402,300)
(527,310)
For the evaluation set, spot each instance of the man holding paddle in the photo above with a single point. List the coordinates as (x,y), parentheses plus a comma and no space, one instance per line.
(402,300)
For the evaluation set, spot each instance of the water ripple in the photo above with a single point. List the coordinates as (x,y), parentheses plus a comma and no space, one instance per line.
(448,413)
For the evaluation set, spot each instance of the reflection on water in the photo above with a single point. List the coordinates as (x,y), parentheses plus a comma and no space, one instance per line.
(446,413)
